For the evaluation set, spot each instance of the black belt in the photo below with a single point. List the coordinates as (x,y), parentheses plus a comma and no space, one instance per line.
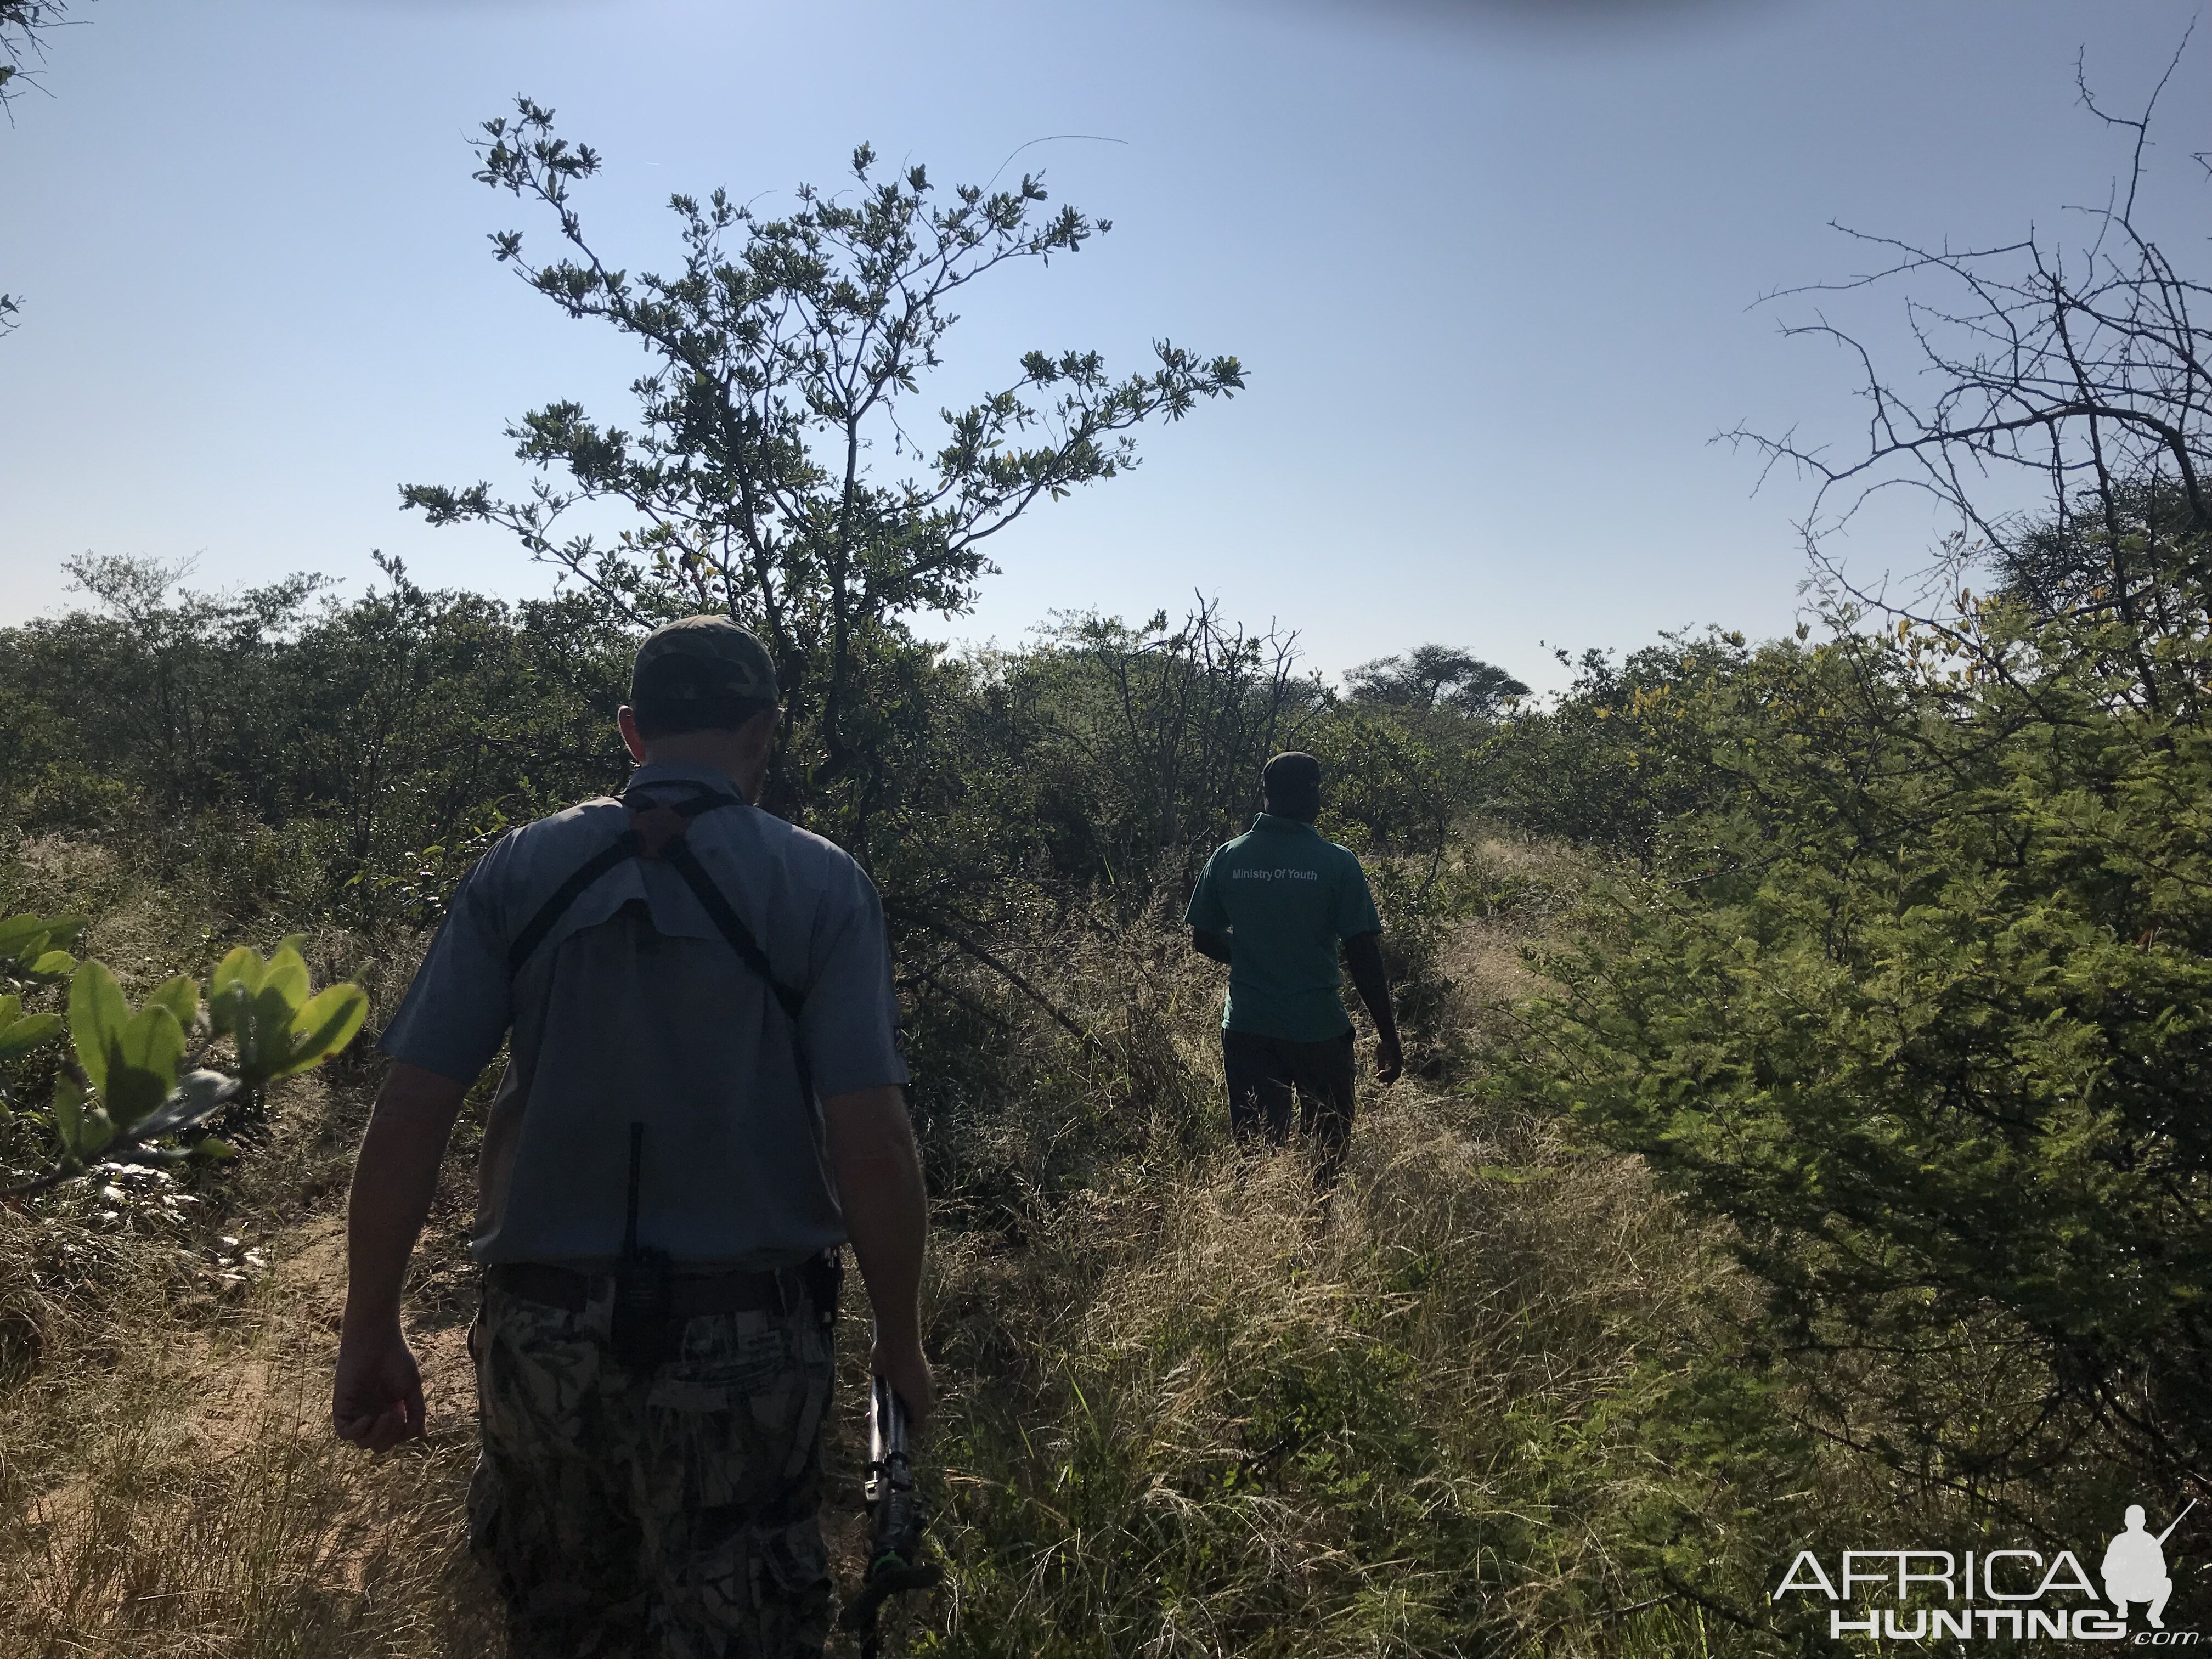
(739,1291)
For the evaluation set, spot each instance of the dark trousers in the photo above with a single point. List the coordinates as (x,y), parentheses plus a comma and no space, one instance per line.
(1266,1071)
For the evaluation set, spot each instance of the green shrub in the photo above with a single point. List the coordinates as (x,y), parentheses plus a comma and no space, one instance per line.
(1923,1010)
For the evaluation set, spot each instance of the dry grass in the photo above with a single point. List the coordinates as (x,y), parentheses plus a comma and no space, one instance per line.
(1188,1411)
(168,1483)
(1404,1423)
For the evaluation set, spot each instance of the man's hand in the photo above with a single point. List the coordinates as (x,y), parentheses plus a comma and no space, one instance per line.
(902,1364)
(377,1402)
(1363,954)
(1389,1059)
(880,1187)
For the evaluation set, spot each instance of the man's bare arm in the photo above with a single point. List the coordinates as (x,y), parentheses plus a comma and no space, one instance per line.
(1362,955)
(1215,945)
(879,1174)
(378,1399)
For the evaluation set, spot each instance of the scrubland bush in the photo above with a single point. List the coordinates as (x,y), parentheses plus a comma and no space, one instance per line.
(1502,1392)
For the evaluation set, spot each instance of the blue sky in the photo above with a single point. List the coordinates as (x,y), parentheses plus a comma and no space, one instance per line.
(1492,268)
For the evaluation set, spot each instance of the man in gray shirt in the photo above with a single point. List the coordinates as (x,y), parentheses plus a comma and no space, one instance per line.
(701,1104)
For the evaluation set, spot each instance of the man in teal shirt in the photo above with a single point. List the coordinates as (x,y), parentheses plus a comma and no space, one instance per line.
(1275,904)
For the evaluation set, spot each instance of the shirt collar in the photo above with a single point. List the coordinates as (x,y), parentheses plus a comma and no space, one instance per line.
(667,772)
(1282,826)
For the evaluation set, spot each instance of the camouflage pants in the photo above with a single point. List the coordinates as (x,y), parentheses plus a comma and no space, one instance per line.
(675,1515)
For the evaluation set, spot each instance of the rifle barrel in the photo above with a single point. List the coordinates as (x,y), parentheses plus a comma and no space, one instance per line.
(2176,1521)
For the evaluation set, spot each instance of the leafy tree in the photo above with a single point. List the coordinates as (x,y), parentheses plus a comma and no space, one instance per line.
(2062,566)
(783,351)
(1435,676)
(1610,764)
(1922,1010)
(1185,714)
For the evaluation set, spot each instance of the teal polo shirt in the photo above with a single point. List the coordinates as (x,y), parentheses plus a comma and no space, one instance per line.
(1285,898)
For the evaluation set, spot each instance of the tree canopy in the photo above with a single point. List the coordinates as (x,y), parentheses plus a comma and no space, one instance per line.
(1435,676)
(776,470)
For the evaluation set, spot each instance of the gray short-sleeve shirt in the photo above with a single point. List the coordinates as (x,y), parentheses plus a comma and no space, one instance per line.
(634,1009)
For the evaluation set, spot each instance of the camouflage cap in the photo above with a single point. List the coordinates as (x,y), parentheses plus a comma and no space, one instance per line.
(703,656)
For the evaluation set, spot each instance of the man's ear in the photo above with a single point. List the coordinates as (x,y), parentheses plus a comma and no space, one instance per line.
(626,720)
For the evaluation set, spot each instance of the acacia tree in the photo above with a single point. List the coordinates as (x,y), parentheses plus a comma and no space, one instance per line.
(1190,714)
(23,24)
(785,351)
(1431,677)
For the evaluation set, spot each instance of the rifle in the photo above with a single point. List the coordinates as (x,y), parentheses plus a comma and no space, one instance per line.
(2176,1522)
(897,1519)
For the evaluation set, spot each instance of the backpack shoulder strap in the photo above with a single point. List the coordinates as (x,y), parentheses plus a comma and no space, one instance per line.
(652,821)
(619,850)
(679,857)
(657,829)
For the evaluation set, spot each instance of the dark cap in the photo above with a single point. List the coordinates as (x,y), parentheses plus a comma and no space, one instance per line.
(697,657)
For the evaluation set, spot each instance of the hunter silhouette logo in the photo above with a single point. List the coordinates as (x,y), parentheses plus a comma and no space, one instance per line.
(2015,1593)
(2135,1566)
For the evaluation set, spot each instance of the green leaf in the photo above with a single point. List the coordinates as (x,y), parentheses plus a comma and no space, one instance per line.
(326,1026)
(144,1067)
(212,1146)
(16,1035)
(69,1112)
(241,967)
(287,975)
(153,1042)
(224,1005)
(181,997)
(34,942)
(97,1015)
(264,1035)
(64,930)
